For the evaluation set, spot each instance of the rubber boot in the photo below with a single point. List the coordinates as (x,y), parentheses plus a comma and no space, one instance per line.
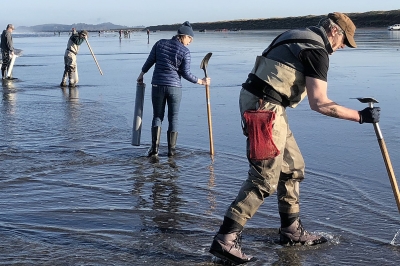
(155,141)
(171,138)
(72,82)
(3,74)
(228,247)
(64,79)
(296,235)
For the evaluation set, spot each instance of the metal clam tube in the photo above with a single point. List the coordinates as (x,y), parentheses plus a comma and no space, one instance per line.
(388,164)
(138,114)
(10,67)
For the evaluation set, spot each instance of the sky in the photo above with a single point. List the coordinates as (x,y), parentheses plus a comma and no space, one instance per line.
(133,13)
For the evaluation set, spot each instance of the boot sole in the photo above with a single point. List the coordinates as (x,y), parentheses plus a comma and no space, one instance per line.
(224,258)
(287,242)
(229,258)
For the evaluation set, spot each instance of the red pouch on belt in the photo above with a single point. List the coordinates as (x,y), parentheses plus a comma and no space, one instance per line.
(259,128)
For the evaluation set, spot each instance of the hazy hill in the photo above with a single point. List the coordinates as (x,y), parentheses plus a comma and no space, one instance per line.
(373,19)
(78,26)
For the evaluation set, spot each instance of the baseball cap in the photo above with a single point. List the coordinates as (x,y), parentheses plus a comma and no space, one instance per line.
(83,32)
(346,25)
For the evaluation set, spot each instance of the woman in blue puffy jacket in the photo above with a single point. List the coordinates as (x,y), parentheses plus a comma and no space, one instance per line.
(171,58)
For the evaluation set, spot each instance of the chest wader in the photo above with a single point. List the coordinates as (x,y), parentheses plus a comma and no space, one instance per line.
(6,59)
(70,73)
(70,68)
(279,84)
(64,78)
(3,73)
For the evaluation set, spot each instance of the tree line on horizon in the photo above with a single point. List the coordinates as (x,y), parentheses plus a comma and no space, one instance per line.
(371,19)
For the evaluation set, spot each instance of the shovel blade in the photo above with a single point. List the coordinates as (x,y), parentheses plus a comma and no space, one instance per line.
(204,62)
(367,100)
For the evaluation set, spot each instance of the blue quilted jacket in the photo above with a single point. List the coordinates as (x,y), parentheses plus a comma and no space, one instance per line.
(172,61)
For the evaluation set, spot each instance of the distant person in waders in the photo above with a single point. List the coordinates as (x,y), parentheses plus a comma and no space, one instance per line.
(172,59)
(294,65)
(7,49)
(71,67)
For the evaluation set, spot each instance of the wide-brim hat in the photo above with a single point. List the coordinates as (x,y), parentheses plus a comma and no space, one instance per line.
(345,23)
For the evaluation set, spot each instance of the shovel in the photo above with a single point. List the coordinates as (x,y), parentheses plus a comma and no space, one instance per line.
(203,66)
(95,60)
(385,153)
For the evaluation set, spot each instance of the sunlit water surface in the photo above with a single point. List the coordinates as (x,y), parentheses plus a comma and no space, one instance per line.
(73,191)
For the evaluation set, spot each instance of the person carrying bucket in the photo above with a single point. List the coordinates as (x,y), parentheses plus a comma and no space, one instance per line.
(294,65)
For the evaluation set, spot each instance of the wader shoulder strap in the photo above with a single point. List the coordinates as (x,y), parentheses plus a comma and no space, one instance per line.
(274,45)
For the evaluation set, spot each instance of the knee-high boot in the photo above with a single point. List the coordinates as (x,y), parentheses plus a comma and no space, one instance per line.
(72,81)
(3,73)
(64,79)
(171,137)
(155,141)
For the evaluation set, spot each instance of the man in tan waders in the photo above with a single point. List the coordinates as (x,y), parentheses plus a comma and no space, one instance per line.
(294,65)
(71,68)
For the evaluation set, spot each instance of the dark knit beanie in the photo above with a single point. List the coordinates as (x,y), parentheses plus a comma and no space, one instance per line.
(186,29)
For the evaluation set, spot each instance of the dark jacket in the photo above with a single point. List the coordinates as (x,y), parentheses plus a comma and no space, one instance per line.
(6,41)
(172,61)
(73,43)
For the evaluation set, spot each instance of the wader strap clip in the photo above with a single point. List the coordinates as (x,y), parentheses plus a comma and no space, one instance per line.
(264,91)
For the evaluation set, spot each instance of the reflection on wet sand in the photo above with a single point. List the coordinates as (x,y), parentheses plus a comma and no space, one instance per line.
(162,195)
(211,195)
(9,96)
(394,35)
(72,109)
(71,94)
(73,189)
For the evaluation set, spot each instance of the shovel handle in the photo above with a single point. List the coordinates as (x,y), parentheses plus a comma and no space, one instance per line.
(390,172)
(95,60)
(210,133)
(388,163)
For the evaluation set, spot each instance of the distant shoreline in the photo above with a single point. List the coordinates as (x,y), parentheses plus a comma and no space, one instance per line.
(372,19)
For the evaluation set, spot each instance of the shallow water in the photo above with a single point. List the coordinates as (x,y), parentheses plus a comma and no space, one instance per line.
(73,191)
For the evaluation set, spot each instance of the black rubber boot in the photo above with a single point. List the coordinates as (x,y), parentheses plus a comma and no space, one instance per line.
(228,247)
(3,73)
(171,138)
(155,141)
